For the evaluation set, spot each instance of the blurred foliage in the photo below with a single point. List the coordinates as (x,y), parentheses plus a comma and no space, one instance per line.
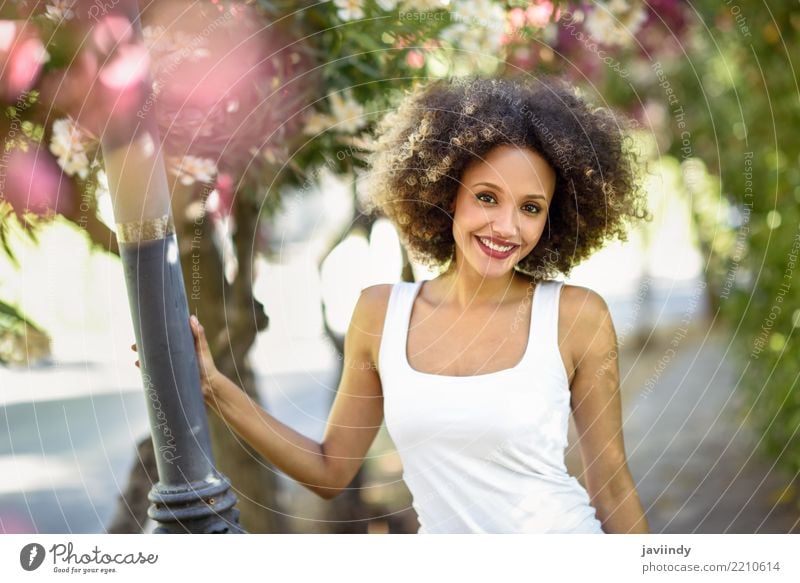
(729,105)
(21,341)
(744,115)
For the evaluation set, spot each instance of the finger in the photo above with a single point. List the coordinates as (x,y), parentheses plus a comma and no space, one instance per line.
(194,324)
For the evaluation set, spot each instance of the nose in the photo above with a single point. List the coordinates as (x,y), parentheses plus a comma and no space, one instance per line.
(505,223)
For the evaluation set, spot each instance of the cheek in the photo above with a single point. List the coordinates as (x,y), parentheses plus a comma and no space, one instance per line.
(536,230)
(461,234)
(473,216)
(466,220)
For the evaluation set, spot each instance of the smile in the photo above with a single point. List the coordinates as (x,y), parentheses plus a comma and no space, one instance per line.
(494,250)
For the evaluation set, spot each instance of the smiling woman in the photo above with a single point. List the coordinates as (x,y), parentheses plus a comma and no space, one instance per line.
(503,184)
(477,371)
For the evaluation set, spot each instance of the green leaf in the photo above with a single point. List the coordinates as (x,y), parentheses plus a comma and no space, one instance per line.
(365,68)
(367,42)
(7,248)
(14,314)
(32,234)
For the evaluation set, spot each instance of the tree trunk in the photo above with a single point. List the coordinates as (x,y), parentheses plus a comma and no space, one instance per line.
(252,477)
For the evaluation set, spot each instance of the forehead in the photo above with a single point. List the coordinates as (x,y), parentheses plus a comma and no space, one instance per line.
(514,169)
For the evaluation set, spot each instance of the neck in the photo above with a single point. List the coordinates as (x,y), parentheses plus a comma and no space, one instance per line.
(465,287)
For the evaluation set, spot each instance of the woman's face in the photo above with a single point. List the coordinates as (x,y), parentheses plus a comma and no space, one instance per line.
(500,209)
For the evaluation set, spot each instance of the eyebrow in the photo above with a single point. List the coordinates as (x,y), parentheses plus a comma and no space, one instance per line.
(491,185)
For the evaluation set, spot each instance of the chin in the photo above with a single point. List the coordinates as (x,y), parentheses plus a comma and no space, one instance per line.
(493,270)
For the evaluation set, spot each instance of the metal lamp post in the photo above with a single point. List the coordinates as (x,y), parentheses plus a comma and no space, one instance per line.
(191,496)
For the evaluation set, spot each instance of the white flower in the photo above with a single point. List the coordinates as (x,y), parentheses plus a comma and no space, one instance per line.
(424,5)
(478,26)
(618,6)
(68,144)
(77,164)
(350,9)
(316,123)
(602,26)
(191,169)
(152,35)
(348,114)
(59,10)
(615,22)
(387,5)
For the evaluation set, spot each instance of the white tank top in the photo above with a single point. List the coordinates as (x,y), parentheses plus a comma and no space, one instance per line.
(485,453)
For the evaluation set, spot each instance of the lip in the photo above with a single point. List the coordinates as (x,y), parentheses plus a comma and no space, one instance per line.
(491,252)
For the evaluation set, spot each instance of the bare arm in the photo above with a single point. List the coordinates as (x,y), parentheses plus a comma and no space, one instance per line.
(598,416)
(324,468)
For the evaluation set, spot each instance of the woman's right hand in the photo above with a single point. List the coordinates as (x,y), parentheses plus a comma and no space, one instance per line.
(205,362)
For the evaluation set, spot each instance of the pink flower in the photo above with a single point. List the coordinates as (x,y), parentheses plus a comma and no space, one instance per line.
(35,183)
(225,193)
(415,59)
(524,57)
(104,87)
(22,55)
(516,17)
(539,14)
(240,88)
(110,32)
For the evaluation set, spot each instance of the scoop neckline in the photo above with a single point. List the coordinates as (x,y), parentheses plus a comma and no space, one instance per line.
(528,347)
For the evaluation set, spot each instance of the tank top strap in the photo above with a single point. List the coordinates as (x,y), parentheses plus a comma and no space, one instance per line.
(544,321)
(395,326)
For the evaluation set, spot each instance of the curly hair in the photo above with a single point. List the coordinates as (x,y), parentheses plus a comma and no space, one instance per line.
(422,148)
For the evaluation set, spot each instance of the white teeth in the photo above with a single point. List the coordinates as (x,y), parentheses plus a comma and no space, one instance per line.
(499,248)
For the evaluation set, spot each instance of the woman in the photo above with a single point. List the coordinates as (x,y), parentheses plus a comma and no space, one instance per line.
(503,184)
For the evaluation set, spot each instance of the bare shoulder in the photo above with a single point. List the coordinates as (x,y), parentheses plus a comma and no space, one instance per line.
(369,315)
(581,306)
(584,325)
(371,307)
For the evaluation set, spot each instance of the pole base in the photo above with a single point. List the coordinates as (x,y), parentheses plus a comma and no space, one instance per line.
(197,508)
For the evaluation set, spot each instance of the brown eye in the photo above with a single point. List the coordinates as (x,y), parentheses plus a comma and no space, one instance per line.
(532,208)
